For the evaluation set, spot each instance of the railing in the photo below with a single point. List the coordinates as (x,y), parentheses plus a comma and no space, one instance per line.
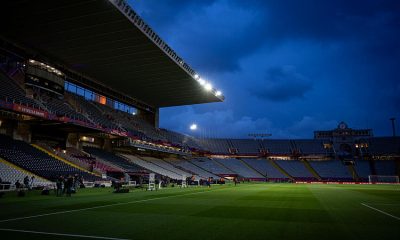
(7,187)
(19,102)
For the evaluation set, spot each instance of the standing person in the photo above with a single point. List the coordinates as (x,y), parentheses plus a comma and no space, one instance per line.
(81,184)
(64,185)
(76,183)
(235,180)
(59,185)
(69,185)
(26,182)
(32,181)
(17,184)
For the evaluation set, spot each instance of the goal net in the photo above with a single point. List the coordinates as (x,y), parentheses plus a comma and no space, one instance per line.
(383,179)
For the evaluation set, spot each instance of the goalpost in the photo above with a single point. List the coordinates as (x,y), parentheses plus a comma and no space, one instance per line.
(383,179)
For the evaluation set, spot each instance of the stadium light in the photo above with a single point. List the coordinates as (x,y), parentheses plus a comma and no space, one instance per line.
(193,127)
(208,86)
(202,81)
(218,93)
(196,76)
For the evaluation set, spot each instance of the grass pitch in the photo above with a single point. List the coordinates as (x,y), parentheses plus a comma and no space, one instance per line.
(247,211)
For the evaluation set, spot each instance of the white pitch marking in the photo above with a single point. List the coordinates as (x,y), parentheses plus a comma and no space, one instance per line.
(61,234)
(388,204)
(103,206)
(378,210)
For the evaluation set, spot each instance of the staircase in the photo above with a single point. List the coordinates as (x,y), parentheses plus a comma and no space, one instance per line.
(63,160)
(353,172)
(222,165)
(312,170)
(273,163)
(205,170)
(251,168)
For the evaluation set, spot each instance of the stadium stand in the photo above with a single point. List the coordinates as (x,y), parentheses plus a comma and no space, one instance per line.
(167,165)
(264,166)
(60,108)
(11,173)
(113,159)
(309,146)
(212,166)
(240,168)
(81,159)
(217,146)
(385,167)
(25,156)
(92,111)
(384,145)
(153,167)
(10,92)
(181,139)
(363,170)
(282,147)
(118,97)
(79,156)
(331,170)
(190,167)
(246,146)
(296,169)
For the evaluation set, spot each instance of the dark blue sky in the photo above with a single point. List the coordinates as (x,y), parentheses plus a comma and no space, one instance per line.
(286,67)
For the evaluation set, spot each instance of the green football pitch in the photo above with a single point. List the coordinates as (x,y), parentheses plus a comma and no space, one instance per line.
(247,211)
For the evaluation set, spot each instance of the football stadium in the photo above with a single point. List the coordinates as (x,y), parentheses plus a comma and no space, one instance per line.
(82,155)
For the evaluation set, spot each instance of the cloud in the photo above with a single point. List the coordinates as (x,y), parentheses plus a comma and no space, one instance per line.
(224,124)
(309,124)
(282,84)
(282,63)
(217,124)
(166,13)
(216,34)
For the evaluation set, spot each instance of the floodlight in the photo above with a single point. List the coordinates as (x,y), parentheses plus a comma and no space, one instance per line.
(208,86)
(202,81)
(218,93)
(193,127)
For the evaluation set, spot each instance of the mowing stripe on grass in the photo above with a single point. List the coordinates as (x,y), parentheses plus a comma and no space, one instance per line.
(378,210)
(61,234)
(107,205)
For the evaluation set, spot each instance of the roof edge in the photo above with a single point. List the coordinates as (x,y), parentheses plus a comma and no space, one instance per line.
(145,28)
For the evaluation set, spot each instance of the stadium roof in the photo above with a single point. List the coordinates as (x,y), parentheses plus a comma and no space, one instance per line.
(106,41)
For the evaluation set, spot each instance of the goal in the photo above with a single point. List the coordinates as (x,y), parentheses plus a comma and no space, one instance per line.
(383,179)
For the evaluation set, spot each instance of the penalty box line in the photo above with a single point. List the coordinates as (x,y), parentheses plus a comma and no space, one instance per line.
(378,210)
(104,206)
(60,234)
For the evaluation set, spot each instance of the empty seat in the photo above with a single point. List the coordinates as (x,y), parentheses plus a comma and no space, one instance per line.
(25,156)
